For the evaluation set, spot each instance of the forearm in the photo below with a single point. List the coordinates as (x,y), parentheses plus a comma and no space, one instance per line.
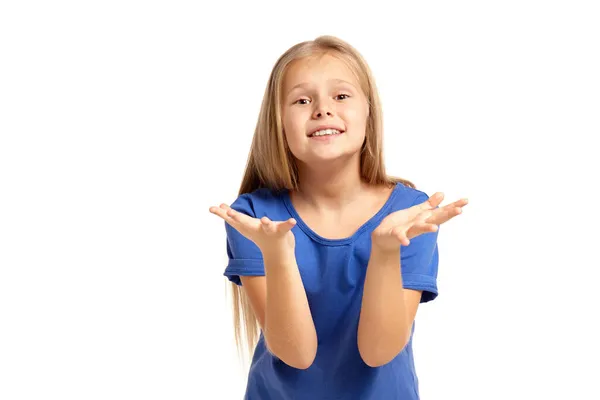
(383,329)
(289,328)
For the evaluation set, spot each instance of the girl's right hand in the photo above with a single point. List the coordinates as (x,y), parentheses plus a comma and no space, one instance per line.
(266,234)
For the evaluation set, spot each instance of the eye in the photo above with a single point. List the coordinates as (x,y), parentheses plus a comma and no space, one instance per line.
(307,100)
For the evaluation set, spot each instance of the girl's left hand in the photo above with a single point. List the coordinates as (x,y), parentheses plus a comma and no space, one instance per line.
(399,227)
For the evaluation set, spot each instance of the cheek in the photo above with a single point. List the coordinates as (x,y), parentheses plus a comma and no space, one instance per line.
(292,126)
(357,116)
(290,133)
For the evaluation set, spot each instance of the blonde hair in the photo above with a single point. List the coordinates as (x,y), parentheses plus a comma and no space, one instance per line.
(271,164)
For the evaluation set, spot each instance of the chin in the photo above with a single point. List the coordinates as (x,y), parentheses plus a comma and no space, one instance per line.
(330,157)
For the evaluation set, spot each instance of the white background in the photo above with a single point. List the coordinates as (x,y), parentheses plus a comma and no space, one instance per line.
(122,122)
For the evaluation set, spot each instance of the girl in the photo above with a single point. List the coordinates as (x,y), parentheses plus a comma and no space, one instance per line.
(329,257)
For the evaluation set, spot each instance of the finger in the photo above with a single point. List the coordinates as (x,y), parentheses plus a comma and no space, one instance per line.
(445,215)
(459,203)
(436,199)
(420,229)
(400,233)
(268,225)
(426,227)
(402,239)
(220,212)
(232,213)
(222,206)
(397,230)
(433,201)
(424,216)
(238,216)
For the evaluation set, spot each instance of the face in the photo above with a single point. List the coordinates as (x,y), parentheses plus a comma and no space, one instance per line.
(318,93)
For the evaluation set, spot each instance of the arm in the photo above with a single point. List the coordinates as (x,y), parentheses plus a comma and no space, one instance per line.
(388,310)
(277,299)
(281,308)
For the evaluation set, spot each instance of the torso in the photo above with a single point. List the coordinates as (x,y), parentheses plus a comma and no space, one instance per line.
(343,223)
(333,274)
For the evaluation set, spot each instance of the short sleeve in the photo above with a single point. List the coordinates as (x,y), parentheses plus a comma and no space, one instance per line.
(244,257)
(419,262)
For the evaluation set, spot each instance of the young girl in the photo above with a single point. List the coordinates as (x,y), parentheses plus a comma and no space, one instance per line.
(328,256)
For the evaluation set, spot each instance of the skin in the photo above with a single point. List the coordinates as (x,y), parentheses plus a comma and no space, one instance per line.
(388,310)
(323,90)
(320,91)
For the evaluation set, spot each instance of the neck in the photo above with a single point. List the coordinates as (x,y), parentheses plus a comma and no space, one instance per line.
(332,185)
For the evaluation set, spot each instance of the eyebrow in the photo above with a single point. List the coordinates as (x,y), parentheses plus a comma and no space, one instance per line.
(303,84)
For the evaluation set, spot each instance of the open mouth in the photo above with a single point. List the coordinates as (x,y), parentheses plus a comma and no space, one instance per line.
(325,133)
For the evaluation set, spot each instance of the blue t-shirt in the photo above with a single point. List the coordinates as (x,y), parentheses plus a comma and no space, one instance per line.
(333,273)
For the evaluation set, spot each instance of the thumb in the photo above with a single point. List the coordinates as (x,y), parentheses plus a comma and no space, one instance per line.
(284,226)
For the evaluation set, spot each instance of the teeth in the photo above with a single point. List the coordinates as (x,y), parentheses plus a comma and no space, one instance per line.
(326,132)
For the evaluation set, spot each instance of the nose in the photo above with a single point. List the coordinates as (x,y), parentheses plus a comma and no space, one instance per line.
(321,109)
(319,114)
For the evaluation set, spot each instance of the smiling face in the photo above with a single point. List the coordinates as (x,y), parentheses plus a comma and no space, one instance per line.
(322,92)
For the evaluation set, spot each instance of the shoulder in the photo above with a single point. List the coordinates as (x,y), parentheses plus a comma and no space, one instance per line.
(405,197)
(257,202)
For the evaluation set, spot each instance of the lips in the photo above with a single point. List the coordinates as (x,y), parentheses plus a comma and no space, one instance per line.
(322,128)
(326,138)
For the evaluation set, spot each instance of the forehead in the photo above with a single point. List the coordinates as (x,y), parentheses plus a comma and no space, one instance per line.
(317,70)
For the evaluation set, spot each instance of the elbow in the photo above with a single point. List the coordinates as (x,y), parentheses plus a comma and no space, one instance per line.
(303,362)
(374,360)
(295,357)
(376,354)
(298,361)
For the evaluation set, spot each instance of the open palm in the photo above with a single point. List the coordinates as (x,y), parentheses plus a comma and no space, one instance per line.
(263,232)
(399,227)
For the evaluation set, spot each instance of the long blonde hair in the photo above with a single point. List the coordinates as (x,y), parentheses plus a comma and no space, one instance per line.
(271,165)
